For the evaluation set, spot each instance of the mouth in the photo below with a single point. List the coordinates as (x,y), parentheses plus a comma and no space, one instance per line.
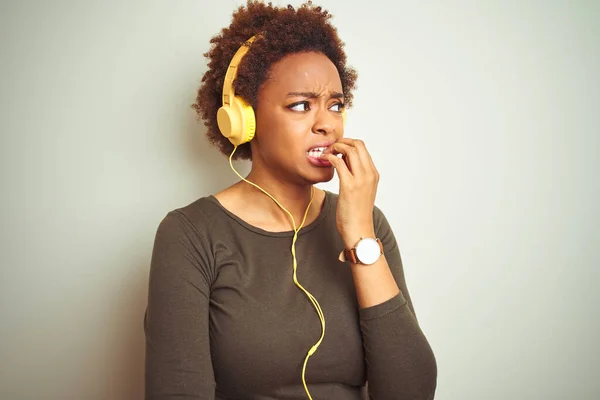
(316,152)
(314,155)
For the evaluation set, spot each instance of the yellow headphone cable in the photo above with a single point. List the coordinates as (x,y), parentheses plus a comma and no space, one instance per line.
(237,122)
(312,299)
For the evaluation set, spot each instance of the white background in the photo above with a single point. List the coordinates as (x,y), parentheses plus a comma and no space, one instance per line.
(482,117)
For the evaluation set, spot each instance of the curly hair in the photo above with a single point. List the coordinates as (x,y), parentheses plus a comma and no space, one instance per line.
(283,31)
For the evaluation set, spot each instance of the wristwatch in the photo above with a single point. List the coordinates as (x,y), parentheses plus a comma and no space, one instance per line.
(367,251)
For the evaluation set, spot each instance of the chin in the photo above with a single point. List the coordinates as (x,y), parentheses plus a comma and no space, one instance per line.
(319,176)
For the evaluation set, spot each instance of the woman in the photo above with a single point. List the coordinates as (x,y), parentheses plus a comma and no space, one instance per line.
(232,312)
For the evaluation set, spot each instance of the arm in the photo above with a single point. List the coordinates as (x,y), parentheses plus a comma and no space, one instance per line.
(178,363)
(400,362)
(355,217)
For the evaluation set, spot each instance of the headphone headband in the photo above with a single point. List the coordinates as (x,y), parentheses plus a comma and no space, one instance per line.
(228,91)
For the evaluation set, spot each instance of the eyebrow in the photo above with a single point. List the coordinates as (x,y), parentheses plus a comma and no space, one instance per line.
(314,95)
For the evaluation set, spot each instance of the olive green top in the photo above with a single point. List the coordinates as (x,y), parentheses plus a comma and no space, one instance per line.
(225,320)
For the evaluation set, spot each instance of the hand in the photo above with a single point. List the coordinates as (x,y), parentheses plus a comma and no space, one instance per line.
(358,188)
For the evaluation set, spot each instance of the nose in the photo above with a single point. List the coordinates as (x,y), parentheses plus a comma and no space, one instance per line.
(326,122)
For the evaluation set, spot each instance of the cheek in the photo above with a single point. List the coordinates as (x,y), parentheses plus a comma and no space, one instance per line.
(282,131)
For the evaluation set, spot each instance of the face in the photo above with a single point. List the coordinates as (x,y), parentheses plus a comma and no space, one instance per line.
(299,114)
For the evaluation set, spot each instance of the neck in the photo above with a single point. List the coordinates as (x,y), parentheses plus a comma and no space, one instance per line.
(295,198)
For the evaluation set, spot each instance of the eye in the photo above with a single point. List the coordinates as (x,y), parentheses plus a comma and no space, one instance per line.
(300,106)
(337,107)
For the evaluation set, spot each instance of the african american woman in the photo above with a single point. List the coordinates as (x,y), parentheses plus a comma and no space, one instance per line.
(273,288)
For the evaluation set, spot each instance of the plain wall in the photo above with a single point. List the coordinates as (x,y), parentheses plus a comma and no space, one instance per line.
(483,119)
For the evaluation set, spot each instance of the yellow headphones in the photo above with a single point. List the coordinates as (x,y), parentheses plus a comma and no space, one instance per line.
(236,118)
(237,122)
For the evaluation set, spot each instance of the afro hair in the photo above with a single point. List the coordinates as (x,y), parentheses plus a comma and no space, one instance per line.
(282,31)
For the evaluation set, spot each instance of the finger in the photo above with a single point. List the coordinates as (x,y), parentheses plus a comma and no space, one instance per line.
(365,156)
(339,165)
(350,155)
(360,147)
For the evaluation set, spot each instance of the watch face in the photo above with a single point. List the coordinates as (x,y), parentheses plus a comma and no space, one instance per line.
(368,251)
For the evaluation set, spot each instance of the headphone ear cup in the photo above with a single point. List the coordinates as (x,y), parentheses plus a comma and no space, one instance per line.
(248,119)
(227,121)
(237,121)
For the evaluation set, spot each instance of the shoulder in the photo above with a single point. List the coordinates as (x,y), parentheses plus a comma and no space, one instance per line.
(195,218)
(181,250)
(331,197)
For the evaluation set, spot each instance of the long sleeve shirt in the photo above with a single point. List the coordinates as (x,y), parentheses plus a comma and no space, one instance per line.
(225,321)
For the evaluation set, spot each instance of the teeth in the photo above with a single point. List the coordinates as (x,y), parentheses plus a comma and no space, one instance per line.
(316,152)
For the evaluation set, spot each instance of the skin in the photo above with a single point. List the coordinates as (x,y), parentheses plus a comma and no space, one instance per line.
(299,106)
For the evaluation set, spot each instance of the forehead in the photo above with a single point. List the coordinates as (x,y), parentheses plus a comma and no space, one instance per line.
(308,71)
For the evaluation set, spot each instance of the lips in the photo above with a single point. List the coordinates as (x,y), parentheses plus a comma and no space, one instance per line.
(314,155)
(317,150)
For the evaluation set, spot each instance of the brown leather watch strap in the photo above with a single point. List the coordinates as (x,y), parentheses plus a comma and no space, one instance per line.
(350,255)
